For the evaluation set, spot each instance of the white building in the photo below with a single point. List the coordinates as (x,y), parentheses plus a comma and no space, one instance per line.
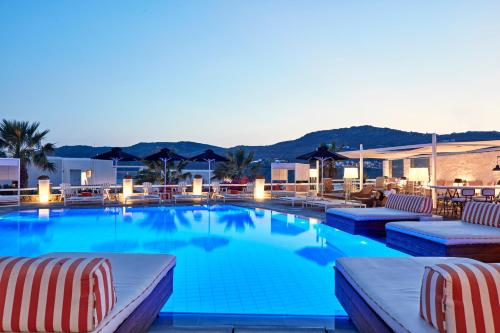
(75,171)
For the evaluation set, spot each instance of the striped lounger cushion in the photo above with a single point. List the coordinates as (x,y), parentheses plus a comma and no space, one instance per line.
(54,295)
(410,203)
(482,213)
(461,297)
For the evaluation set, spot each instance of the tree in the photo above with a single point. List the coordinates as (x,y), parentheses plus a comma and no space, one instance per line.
(154,172)
(330,169)
(240,164)
(23,140)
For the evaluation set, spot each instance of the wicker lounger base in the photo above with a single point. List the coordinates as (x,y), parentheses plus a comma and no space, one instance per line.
(143,316)
(421,247)
(363,317)
(368,228)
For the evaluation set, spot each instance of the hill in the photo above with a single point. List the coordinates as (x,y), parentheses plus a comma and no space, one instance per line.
(351,138)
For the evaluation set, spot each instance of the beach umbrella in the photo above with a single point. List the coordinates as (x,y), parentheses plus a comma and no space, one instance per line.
(116,154)
(210,157)
(165,155)
(322,154)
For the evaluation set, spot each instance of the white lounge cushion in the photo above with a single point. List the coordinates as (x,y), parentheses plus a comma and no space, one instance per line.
(391,287)
(374,214)
(135,277)
(449,232)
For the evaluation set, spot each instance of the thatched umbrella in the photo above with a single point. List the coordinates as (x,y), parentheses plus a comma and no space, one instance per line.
(165,155)
(210,157)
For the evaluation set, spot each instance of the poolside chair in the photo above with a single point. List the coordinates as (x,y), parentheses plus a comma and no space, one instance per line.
(300,198)
(245,194)
(476,235)
(487,195)
(10,200)
(396,294)
(372,221)
(128,292)
(464,195)
(149,194)
(70,195)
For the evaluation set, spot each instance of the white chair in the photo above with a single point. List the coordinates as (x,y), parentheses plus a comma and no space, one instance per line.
(70,195)
(148,194)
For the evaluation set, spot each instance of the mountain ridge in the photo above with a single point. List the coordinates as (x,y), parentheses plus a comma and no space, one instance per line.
(350,137)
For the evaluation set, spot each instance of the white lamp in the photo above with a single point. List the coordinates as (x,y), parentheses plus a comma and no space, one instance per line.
(420,175)
(128,186)
(351,173)
(197,185)
(258,190)
(43,189)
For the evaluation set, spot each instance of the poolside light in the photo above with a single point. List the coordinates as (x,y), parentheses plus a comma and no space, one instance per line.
(128,186)
(197,185)
(350,173)
(258,191)
(43,189)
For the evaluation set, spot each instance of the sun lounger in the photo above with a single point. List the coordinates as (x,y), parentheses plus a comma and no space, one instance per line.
(143,283)
(245,194)
(476,236)
(9,200)
(328,204)
(71,196)
(146,196)
(372,221)
(383,294)
(300,198)
(189,197)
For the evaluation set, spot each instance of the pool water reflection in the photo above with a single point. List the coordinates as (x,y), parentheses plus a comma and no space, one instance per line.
(230,260)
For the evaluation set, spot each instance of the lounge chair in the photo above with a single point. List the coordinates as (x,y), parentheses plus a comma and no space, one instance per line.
(302,199)
(246,193)
(142,285)
(70,196)
(372,221)
(364,195)
(476,236)
(383,294)
(189,197)
(147,195)
(10,200)
(327,204)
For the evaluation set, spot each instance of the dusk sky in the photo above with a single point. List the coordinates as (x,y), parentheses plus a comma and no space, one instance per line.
(247,72)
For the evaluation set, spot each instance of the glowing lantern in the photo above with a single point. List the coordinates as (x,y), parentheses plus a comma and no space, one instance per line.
(350,173)
(128,186)
(258,191)
(43,189)
(197,185)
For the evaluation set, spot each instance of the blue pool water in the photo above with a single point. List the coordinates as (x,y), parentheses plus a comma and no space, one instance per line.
(230,260)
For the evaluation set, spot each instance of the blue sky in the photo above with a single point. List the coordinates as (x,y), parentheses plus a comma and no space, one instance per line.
(247,72)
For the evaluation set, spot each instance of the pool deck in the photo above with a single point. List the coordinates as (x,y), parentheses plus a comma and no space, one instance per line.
(195,323)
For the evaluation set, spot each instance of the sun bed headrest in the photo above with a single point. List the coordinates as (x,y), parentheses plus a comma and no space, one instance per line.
(410,203)
(54,294)
(462,297)
(482,213)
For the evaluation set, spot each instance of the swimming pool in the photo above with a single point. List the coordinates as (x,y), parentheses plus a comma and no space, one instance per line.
(230,259)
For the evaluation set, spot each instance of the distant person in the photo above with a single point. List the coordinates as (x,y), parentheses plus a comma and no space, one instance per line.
(376,200)
(389,190)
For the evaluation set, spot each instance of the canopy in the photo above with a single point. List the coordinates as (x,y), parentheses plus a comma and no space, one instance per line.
(208,156)
(279,171)
(321,153)
(423,150)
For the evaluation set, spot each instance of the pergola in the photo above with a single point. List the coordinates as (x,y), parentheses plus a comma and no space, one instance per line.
(427,150)
(279,172)
(10,171)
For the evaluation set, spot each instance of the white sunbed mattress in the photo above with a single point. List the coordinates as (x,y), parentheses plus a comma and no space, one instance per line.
(135,277)
(449,232)
(391,287)
(374,214)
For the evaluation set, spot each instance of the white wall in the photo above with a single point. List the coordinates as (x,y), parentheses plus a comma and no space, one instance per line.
(102,171)
(471,167)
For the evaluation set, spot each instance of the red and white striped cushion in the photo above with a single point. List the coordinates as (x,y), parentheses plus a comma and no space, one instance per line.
(54,294)
(482,213)
(410,203)
(461,297)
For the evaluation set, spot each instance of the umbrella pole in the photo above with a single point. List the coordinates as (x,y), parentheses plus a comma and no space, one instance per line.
(209,177)
(322,180)
(165,177)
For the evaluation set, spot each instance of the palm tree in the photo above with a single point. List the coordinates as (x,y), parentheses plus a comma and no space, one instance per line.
(330,169)
(240,164)
(23,140)
(154,172)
